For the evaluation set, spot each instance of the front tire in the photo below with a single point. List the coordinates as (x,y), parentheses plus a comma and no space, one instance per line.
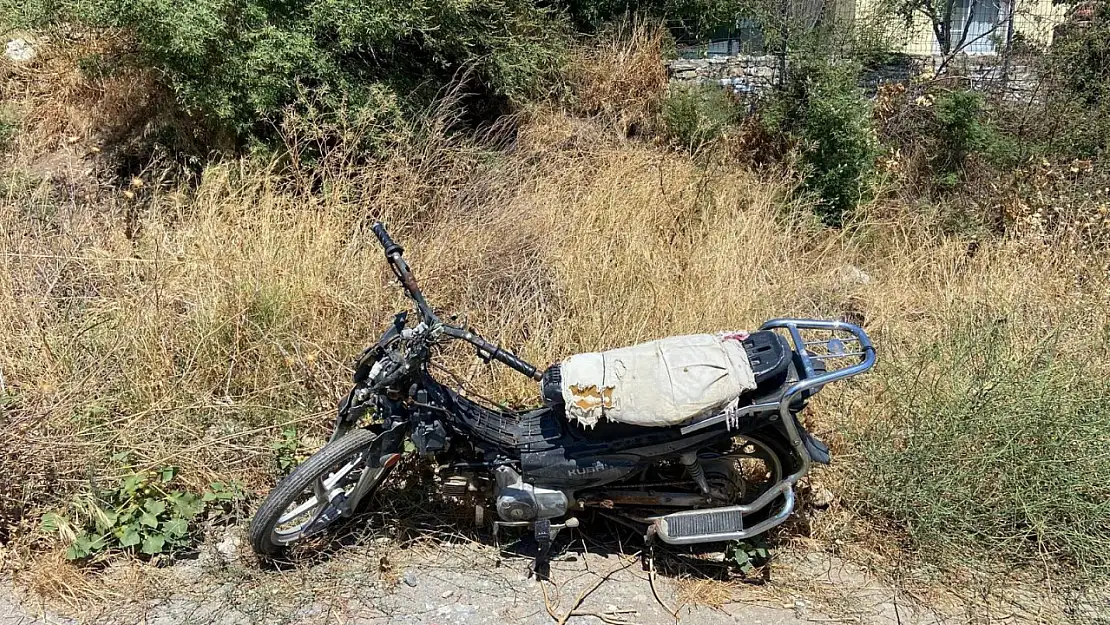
(327,486)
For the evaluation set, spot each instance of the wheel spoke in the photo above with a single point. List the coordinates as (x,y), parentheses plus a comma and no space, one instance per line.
(320,490)
(298,511)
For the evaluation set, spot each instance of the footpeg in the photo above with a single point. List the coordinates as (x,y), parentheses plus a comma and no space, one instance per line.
(720,524)
(703,523)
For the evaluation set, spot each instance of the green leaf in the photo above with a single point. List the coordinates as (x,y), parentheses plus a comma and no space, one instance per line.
(175,527)
(131,484)
(186,505)
(104,519)
(52,522)
(85,545)
(129,537)
(153,544)
(73,552)
(148,520)
(409,446)
(155,507)
(168,474)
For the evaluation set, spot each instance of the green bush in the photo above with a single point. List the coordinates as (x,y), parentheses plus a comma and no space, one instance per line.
(822,109)
(144,512)
(992,447)
(242,63)
(688,19)
(1077,105)
(9,127)
(694,116)
(27,14)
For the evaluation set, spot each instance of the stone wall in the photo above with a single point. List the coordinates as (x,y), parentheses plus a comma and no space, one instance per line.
(745,74)
(755,74)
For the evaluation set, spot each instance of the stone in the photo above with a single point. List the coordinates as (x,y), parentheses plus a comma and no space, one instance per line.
(20,50)
(683,66)
(821,497)
(850,274)
(686,75)
(409,578)
(228,547)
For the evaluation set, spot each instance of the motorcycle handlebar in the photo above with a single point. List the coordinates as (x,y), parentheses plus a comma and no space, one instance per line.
(391,247)
(393,253)
(494,352)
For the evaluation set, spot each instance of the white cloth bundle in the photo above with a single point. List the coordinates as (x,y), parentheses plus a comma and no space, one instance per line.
(659,383)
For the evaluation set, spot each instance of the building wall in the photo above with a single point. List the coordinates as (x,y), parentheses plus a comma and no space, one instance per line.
(1034,21)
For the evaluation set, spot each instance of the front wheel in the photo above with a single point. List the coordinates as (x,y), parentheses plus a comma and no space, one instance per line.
(326,487)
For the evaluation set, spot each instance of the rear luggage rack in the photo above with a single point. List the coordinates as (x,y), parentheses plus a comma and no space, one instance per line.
(829,350)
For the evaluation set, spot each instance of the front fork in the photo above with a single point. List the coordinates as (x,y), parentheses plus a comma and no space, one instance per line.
(384,453)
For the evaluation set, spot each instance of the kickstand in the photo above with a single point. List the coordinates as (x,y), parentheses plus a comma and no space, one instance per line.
(544,538)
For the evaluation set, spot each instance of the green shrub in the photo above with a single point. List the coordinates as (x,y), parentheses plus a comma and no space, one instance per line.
(27,14)
(696,115)
(9,126)
(992,447)
(822,109)
(244,63)
(958,114)
(687,18)
(144,512)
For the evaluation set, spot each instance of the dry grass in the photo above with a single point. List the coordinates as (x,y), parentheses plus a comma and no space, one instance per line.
(189,325)
(621,79)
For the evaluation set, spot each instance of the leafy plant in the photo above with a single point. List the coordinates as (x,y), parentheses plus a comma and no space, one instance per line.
(747,555)
(695,116)
(245,64)
(144,512)
(285,449)
(822,110)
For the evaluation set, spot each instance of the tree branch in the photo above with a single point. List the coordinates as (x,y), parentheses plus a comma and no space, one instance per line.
(967,25)
(946,27)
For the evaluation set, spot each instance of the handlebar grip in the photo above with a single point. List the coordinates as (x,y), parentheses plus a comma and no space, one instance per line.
(383,237)
(515,363)
(489,351)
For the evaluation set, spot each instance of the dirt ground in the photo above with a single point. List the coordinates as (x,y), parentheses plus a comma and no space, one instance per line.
(431,581)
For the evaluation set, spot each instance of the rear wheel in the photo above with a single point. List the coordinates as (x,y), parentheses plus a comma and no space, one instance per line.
(326,487)
(745,468)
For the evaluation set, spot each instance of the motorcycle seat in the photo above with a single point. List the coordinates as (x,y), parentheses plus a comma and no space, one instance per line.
(768,354)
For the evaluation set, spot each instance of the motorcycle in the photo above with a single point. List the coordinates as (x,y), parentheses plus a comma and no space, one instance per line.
(725,473)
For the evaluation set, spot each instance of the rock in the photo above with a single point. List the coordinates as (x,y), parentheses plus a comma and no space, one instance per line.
(447,594)
(228,547)
(683,66)
(822,497)
(850,274)
(409,578)
(20,50)
(686,75)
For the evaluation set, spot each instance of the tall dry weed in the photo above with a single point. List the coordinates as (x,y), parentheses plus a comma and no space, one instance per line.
(622,78)
(189,325)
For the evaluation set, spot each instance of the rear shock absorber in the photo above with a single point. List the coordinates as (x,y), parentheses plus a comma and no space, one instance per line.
(694,468)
